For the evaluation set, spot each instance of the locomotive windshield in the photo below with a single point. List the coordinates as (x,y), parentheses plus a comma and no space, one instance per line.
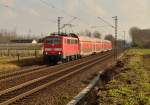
(53,41)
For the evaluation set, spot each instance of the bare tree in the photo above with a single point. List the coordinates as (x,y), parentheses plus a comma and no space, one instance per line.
(96,34)
(134,35)
(88,33)
(140,37)
(109,37)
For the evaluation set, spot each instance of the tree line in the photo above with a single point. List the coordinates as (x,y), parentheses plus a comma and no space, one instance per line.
(140,37)
(7,36)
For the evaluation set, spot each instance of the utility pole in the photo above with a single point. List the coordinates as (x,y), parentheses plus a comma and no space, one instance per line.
(124,35)
(59,19)
(115,42)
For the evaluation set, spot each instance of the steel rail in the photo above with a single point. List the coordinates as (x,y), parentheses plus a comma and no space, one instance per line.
(43,77)
(92,62)
(7,75)
(18,74)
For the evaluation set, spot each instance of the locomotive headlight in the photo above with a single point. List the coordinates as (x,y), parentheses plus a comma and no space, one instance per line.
(46,53)
(59,53)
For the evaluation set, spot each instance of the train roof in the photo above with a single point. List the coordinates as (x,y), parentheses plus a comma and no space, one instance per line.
(81,38)
(84,38)
(63,34)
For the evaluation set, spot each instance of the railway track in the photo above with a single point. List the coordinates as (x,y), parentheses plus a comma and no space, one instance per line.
(16,78)
(26,70)
(17,92)
(36,69)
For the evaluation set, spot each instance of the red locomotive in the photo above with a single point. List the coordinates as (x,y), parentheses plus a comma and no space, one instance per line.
(66,47)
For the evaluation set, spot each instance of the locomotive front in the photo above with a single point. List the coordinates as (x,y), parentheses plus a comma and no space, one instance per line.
(52,49)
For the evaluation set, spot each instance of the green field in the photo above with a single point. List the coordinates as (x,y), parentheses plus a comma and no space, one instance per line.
(132,85)
(138,52)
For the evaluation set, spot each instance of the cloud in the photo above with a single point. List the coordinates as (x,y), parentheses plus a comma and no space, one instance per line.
(72,5)
(32,11)
(9,13)
(130,13)
(8,2)
(94,7)
(134,11)
(9,10)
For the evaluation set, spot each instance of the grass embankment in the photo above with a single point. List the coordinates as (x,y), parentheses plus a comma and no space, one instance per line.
(132,85)
(9,56)
(8,64)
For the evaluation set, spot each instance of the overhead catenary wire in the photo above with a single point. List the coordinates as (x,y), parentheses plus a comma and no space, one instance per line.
(44,2)
(69,22)
(7,6)
(13,9)
(86,12)
(74,18)
(106,22)
(49,4)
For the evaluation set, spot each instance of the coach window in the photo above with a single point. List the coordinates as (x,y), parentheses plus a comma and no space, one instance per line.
(71,41)
(65,41)
(76,41)
(68,41)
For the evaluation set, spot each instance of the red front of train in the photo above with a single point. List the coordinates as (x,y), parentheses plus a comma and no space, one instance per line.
(60,48)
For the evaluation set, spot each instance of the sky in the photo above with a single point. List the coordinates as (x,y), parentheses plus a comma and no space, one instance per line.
(40,16)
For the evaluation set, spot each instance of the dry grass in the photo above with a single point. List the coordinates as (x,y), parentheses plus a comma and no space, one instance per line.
(8,64)
(8,68)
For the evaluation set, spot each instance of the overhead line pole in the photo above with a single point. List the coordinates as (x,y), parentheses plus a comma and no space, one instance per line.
(59,19)
(116,32)
(124,35)
(116,35)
